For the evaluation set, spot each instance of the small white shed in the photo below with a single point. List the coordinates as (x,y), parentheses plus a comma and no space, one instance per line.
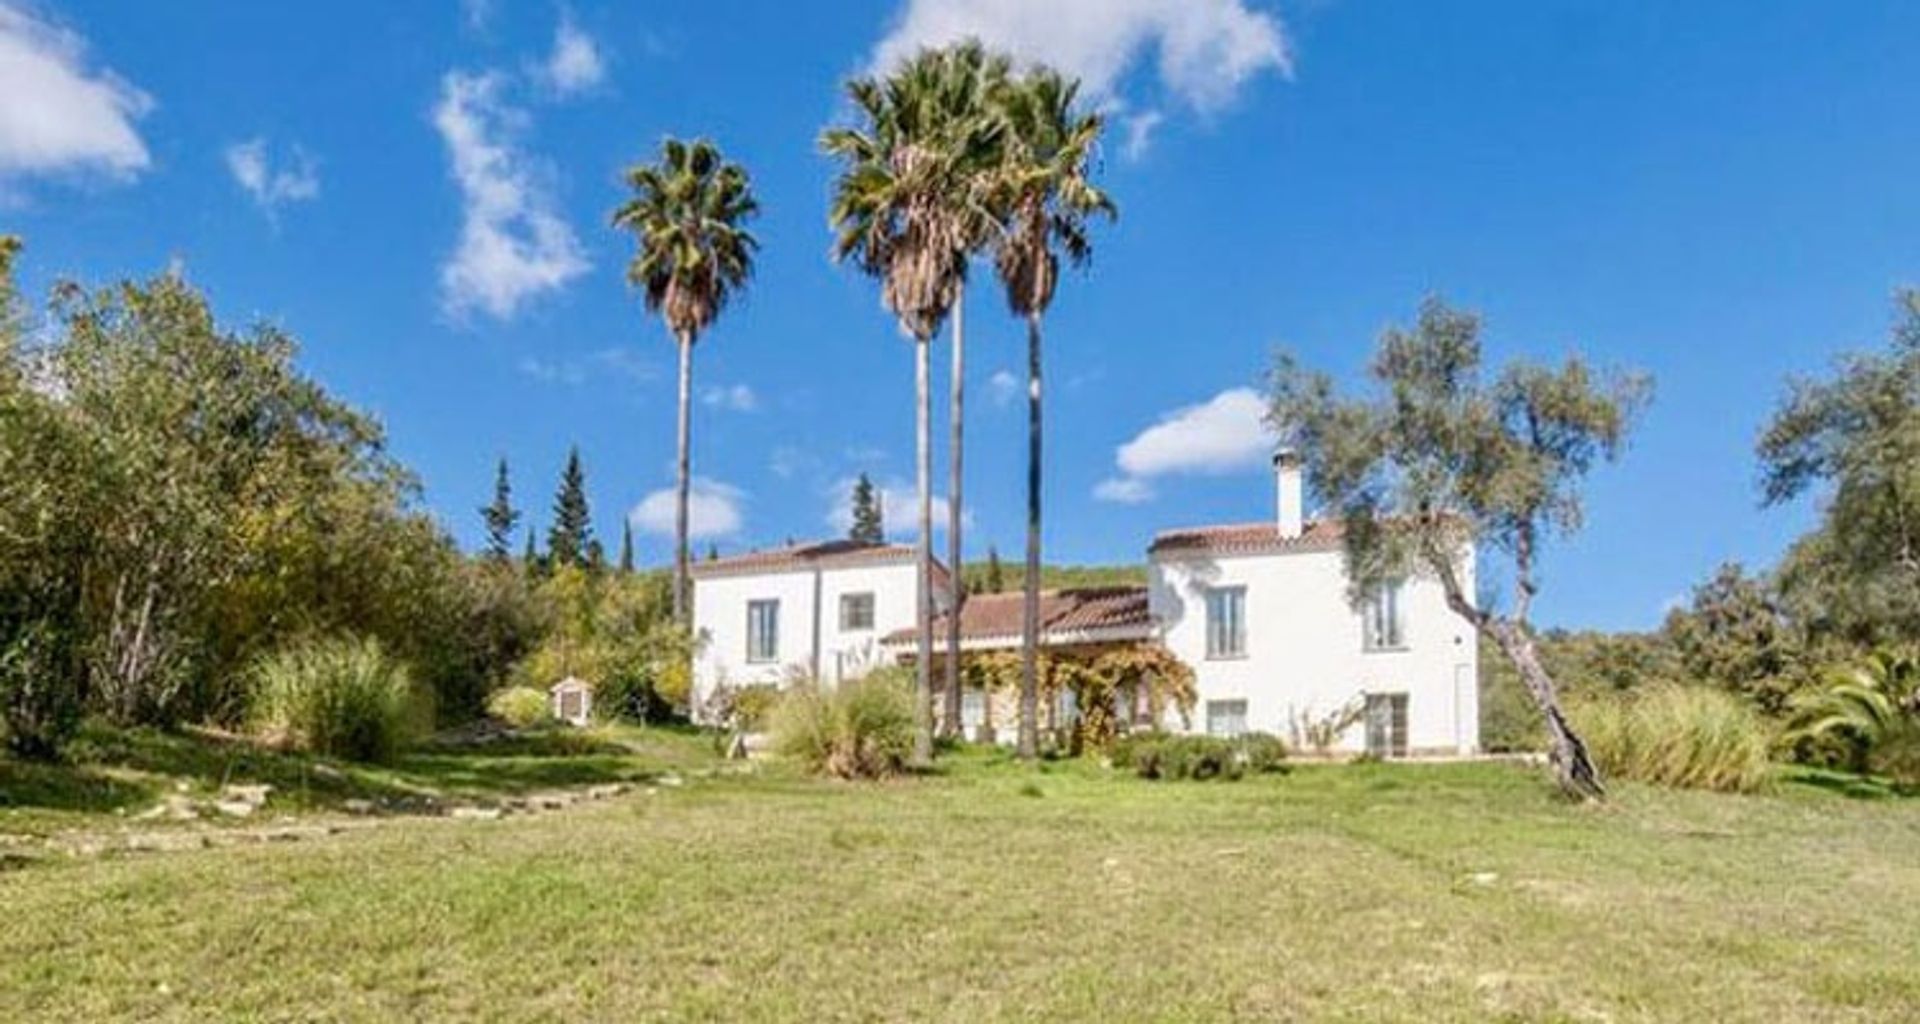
(572,700)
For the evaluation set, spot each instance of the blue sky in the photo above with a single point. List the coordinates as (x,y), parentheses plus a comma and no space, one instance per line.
(1720,193)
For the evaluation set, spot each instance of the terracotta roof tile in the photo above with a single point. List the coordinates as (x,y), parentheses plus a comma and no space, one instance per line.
(828,554)
(987,616)
(1246,539)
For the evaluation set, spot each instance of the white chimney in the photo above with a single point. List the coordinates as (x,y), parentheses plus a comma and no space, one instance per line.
(1286,475)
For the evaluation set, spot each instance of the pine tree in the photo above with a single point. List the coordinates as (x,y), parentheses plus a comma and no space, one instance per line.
(626,545)
(868,525)
(501,517)
(530,560)
(569,539)
(713,552)
(996,576)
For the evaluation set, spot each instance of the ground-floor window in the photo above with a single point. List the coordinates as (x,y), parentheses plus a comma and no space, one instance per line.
(1226,717)
(1387,724)
(973,710)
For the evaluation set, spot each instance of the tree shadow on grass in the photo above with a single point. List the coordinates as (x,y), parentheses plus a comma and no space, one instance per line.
(62,787)
(1849,784)
(114,771)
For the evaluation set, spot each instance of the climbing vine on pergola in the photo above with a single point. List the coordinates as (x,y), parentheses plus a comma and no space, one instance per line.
(1111,686)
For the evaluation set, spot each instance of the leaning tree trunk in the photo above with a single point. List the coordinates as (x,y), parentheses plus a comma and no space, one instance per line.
(1573,767)
(1030,611)
(682,483)
(923,463)
(956,585)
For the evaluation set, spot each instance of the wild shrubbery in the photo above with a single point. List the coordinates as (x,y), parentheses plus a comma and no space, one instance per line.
(1691,737)
(1159,755)
(341,697)
(860,729)
(520,706)
(37,712)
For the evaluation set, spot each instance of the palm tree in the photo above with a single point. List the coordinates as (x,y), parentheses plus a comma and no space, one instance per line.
(910,176)
(1044,196)
(1871,710)
(974,79)
(687,213)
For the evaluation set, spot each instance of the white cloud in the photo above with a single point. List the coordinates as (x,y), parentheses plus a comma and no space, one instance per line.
(575,65)
(476,15)
(788,461)
(514,245)
(713,510)
(252,168)
(1124,490)
(576,371)
(1224,434)
(57,115)
(899,507)
(1003,387)
(1139,137)
(737,398)
(1205,49)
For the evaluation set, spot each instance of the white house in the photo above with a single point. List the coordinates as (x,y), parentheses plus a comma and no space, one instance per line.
(809,610)
(1261,613)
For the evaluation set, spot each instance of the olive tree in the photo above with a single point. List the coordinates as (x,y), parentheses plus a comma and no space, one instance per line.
(1442,461)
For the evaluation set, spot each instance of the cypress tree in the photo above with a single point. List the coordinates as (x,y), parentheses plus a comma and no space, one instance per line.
(868,525)
(501,517)
(626,545)
(569,540)
(996,576)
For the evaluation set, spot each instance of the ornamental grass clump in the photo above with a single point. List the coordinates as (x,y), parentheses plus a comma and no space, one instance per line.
(341,697)
(1685,737)
(860,729)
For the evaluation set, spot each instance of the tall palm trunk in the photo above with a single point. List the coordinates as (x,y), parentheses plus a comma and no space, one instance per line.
(923,442)
(682,612)
(1030,613)
(956,586)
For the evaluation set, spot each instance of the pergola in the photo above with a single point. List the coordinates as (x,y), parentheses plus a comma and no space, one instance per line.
(1101,665)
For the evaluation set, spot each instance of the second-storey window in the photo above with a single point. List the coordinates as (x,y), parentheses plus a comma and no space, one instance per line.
(856,611)
(763,630)
(1226,622)
(1386,628)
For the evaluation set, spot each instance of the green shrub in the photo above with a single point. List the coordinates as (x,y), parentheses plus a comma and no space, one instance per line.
(520,706)
(1263,753)
(862,729)
(341,697)
(1866,717)
(39,704)
(1688,737)
(1159,755)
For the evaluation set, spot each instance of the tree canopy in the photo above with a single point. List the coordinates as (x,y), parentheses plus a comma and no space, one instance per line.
(1441,461)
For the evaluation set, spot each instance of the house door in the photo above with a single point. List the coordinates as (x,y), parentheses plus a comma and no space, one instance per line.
(1387,724)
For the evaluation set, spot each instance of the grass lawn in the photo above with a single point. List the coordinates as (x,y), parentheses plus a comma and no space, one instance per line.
(1364,893)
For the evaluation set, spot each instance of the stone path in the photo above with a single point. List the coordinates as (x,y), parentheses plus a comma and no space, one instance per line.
(192,831)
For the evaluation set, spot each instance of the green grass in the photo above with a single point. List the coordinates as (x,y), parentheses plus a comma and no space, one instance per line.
(994,892)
